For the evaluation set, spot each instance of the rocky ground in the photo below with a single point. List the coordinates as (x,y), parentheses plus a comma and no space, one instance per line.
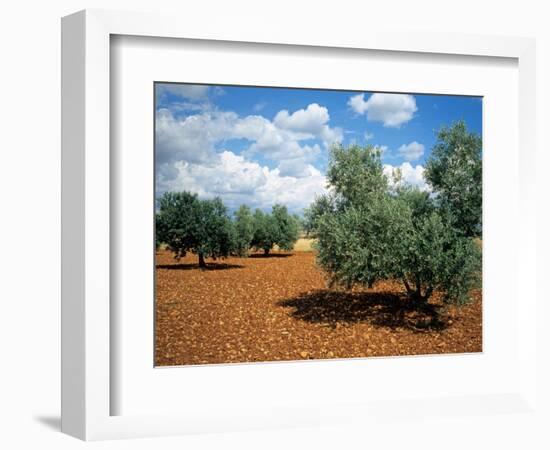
(280,308)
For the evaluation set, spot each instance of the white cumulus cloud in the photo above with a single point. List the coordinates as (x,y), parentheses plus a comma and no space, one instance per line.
(393,110)
(312,121)
(191,154)
(239,181)
(412,175)
(411,151)
(193,139)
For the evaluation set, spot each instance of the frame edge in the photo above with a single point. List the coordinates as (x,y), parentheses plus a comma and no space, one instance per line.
(73,83)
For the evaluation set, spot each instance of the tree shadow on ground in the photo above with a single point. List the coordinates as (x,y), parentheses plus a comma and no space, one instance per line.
(209,266)
(270,255)
(382,309)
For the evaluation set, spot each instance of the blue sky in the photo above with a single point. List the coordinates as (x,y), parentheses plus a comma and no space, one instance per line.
(262,146)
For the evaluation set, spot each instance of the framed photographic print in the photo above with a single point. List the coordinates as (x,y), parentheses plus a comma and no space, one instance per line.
(248,246)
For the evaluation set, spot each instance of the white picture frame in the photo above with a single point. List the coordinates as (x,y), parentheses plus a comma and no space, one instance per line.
(86,222)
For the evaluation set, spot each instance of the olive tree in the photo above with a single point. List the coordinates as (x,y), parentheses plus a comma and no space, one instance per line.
(350,221)
(286,227)
(187,224)
(357,244)
(313,213)
(244,230)
(264,231)
(275,228)
(367,231)
(433,256)
(454,171)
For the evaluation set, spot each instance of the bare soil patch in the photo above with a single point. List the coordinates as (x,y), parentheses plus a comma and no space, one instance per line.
(279,308)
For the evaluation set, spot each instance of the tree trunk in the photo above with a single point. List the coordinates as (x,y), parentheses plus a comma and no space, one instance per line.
(420,299)
(202,264)
(416,293)
(266,251)
(407,286)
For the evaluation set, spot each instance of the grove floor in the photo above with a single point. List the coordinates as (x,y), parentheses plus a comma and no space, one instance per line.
(280,308)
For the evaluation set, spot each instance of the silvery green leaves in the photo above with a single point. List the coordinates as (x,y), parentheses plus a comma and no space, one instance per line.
(368,231)
(454,170)
(360,244)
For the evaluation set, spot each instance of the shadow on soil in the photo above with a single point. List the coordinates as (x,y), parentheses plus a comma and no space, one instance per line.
(271,255)
(382,309)
(209,266)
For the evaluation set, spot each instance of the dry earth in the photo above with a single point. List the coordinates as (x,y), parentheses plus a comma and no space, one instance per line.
(279,308)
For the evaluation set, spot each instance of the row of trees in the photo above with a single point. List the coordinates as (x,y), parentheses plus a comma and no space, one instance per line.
(369,228)
(186,223)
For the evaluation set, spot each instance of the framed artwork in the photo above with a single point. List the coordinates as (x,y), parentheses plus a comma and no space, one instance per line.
(347,227)
(267,229)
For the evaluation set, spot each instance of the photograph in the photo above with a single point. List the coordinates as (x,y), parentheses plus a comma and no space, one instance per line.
(297,224)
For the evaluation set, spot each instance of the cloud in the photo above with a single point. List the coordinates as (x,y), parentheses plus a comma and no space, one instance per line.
(311,122)
(368,136)
(184,139)
(393,110)
(259,106)
(194,139)
(413,176)
(411,151)
(188,91)
(191,155)
(239,181)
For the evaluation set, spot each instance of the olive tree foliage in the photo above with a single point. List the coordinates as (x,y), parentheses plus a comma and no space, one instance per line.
(287,227)
(357,223)
(275,228)
(187,224)
(264,231)
(454,171)
(243,230)
(356,244)
(354,177)
(367,231)
(313,213)
(433,255)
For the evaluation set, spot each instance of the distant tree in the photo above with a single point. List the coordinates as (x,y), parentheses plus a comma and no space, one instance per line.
(287,227)
(278,228)
(244,230)
(160,232)
(264,231)
(300,224)
(454,172)
(187,224)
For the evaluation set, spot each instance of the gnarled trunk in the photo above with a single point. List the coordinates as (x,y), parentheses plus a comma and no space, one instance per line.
(416,293)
